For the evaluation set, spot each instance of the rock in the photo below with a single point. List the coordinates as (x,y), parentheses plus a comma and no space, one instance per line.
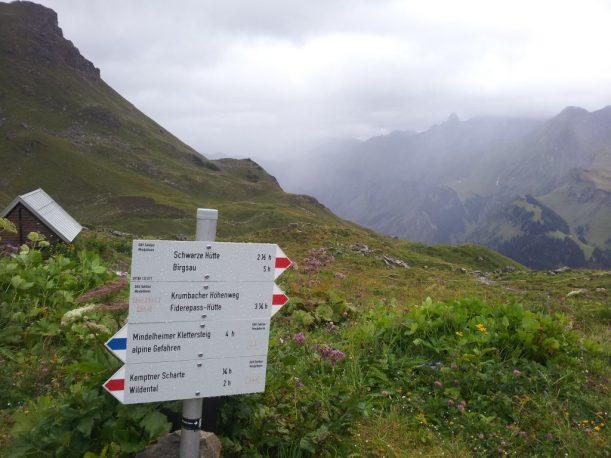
(24,125)
(509,269)
(360,247)
(563,269)
(168,446)
(600,290)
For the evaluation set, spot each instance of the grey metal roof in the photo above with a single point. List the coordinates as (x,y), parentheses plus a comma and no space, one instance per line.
(49,212)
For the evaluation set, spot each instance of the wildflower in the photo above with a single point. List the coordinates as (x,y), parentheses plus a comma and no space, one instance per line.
(340,275)
(453,365)
(299,337)
(516,373)
(458,333)
(461,406)
(481,328)
(523,434)
(298,383)
(74,314)
(438,384)
(450,402)
(324,351)
(385,393)
(331,327)
(337,355)
(549,436)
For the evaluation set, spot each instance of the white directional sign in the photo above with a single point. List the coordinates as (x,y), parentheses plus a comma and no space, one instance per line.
(152,382)
(151,302)
(199,319)
(168,260)
(180,341)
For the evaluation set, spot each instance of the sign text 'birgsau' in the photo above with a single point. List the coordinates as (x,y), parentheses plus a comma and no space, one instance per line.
(199,320)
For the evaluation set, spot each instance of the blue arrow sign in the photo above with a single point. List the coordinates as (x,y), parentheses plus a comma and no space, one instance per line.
(117,344)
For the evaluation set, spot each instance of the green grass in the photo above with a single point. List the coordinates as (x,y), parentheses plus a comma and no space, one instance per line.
(376,401)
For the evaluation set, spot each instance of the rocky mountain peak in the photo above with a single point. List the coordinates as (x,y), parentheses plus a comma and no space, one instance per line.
(32,32)
(453,119)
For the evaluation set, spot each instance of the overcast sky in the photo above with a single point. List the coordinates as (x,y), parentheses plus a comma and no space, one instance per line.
(265,77)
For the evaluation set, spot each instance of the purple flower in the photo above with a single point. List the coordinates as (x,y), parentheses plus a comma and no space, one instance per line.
(549,436)
(324,351)
(453,365)
(337,355)
(461,406)
(332,355)
(450,402)
(299,337)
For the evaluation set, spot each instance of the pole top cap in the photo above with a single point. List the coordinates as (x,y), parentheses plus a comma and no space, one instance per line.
(207,213)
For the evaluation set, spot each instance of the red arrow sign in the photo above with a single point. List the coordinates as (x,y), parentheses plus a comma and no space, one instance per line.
(282,262)
(280,299)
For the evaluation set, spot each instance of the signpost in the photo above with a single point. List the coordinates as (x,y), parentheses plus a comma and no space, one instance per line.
(198,324)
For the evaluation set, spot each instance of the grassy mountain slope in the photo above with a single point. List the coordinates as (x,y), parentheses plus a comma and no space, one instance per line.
(65,130)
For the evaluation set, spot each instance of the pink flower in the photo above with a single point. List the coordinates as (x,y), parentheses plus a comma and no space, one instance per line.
(516,373)
(299,338)
(450,402)
(453,365)
(438,384)
(549,436)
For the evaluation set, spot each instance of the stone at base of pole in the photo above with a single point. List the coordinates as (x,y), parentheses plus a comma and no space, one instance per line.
(168,446)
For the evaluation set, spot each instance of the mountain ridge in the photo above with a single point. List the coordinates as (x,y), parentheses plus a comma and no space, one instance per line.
(64,129)
(454,182)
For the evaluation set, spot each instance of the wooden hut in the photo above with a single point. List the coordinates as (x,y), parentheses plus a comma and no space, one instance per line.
(36,211)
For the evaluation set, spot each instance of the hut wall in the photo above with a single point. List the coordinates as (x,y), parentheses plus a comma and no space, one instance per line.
(25,222)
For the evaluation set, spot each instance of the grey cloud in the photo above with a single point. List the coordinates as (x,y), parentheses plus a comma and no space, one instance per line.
(270,77)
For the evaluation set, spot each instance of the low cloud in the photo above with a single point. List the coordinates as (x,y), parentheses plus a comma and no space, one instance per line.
(273,77)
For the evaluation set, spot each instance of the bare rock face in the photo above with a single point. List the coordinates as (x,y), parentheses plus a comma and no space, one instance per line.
(169,446)
(35,34)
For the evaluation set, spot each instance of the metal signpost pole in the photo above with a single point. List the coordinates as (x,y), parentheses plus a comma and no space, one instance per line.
(192,408)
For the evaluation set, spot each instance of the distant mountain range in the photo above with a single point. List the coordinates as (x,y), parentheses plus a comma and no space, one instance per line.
(64,129)
(537,191)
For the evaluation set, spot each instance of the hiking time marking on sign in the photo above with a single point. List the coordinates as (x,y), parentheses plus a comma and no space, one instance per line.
(196,261)
(167,381)
(182,341)
(151,302)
